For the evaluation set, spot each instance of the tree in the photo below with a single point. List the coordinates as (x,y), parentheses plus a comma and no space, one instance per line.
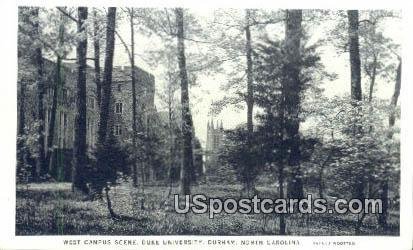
(113,164)
(133,78)
(269,60)
(237,44)
(291,87)
(356,96)
(96,50)
(105,115)
(396,95)
(112,160)
(370,53)
(233,154)
(384,183)
(186,125)
(60,52)
(41,166)
(25,27)
(21,152)
(107,75)
(250,91)
(353,31)
(49,40)
(79,144)
(130,12)
(168,98)
(375,54)
(199,52)
(376,50)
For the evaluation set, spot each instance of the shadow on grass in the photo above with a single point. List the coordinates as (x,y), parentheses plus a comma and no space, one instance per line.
(61,212)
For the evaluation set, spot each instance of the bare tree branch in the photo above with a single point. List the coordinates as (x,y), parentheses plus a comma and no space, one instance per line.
(74,59)
(124,45)
(67,14)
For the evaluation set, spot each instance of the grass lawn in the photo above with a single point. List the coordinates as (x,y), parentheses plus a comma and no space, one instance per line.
(52,209)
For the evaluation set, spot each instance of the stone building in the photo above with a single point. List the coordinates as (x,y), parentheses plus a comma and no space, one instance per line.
(121,106)
(153,129)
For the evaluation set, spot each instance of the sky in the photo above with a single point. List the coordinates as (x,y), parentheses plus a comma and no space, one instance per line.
(208,88)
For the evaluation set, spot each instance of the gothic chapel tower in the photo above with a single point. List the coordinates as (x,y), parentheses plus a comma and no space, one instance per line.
(214,141)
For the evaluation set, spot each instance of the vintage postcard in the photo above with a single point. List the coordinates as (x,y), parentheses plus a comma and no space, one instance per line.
(185,126)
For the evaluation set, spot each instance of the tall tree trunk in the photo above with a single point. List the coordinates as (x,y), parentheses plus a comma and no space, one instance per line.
(250,91)
(170,130)
(56,89)
(353,31)
(373,78)
(79,144)
(356,95)
(282,230)
(96,50)
(279,157)
(250,97)
(384,185)
(395,96)
(133,78)
(292,89)
(112,213)
(24,19)
(28,24)
(186,126)
(21,151)
(53,111)
(105,115)
(107,75)
(384,197)
(41,166)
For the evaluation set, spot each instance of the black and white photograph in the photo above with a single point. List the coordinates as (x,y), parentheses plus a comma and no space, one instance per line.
(180,120)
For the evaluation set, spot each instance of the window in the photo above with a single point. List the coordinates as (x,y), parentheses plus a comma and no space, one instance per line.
(118,130)
(118,108)
(91,102)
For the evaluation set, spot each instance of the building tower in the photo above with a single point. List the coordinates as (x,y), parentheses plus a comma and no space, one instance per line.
(215,135)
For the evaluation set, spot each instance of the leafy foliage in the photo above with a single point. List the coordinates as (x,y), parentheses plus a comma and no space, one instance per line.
(244,157)
(112,165)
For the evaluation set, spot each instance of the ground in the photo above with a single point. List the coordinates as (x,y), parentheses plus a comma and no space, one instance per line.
(52,209)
